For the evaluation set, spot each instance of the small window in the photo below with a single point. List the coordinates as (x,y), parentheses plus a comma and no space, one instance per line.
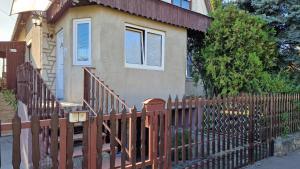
(82,42)
(186,4)
(144,48)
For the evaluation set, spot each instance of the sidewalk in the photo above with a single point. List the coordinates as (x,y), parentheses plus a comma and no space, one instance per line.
(291,161)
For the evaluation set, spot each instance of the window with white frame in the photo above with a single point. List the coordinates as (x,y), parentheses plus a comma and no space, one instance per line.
(144,48)
(82,42)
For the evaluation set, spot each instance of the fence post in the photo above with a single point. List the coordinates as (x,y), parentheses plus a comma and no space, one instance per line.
(153,107)
(63,143)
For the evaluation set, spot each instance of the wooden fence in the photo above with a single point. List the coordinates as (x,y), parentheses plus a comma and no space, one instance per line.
(212,133)
(35,94)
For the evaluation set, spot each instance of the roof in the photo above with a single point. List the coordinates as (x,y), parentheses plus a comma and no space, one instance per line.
(152,9)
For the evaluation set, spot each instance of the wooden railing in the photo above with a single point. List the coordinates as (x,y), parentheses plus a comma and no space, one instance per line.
(35,94)
(99,97)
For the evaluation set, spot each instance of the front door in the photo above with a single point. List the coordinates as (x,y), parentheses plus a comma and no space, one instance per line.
(60,65)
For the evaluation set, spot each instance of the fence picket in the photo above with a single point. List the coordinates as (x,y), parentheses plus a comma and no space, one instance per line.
(112,138)
(16,128)
(133,137)
(176,131)
(183,126)
(123,139)
(143,138)
(161,139)
(54,140)
(70,145)
(35,128)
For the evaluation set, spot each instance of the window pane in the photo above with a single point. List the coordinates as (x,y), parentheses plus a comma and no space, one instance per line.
(154,49)
(189,66)
(133,47)
(176,2)
(186,4)
(83,42)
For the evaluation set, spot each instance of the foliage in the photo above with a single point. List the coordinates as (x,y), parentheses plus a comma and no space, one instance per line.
(185,134)
(285,121)
(10,98)
(239,52)
(215,4)
(284,17)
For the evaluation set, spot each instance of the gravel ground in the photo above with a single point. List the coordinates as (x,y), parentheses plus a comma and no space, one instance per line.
(291,161)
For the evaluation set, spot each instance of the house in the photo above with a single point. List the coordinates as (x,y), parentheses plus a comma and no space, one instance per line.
(138,47)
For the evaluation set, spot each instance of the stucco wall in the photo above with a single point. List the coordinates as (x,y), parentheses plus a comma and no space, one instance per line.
(33,36)
(134,85)
(193,89)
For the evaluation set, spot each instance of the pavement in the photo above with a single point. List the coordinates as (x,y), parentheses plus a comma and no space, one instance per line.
(6,152)
(291,161)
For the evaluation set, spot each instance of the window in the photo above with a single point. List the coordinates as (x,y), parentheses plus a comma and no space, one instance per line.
(82,42)
(186,4)
(189,66)
(144,48)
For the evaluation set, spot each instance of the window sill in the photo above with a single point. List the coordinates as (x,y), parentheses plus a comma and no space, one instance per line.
(144,67)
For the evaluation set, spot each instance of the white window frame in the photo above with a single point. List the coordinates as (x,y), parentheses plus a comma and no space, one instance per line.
(144,48)
(75,24)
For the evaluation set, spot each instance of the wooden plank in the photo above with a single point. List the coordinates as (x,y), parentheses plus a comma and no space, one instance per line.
(35,128)
(63,143)
(183,152)
(197,111)
(112,138)
(70,150)
(143,138)
(190,152)
(133,133)
(161,139)
(54,140)
(168,137)
(99,137)
(85,144)
(93,143)
(123,139)
(16,127)
(176,131)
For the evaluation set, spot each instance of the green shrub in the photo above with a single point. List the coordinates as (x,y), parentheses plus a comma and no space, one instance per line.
(10,98)
(239,53)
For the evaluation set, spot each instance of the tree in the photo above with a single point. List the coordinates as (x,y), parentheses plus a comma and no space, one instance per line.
(239,52)
(215,4)
(284,17)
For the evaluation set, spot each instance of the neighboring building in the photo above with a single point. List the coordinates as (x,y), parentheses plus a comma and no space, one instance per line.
(138,47)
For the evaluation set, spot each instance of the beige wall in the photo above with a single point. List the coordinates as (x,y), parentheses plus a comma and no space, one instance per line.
(197,6)
(193,89)
(32,34)
(134,85)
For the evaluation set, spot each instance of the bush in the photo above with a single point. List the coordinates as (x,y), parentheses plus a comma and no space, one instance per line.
(238,55)
(10,98)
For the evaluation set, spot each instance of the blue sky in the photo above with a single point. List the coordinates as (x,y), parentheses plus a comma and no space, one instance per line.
(6,22)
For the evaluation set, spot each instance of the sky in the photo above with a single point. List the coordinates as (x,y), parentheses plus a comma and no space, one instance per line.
(6,22)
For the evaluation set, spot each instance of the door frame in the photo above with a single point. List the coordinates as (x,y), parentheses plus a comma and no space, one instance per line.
(60,33)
